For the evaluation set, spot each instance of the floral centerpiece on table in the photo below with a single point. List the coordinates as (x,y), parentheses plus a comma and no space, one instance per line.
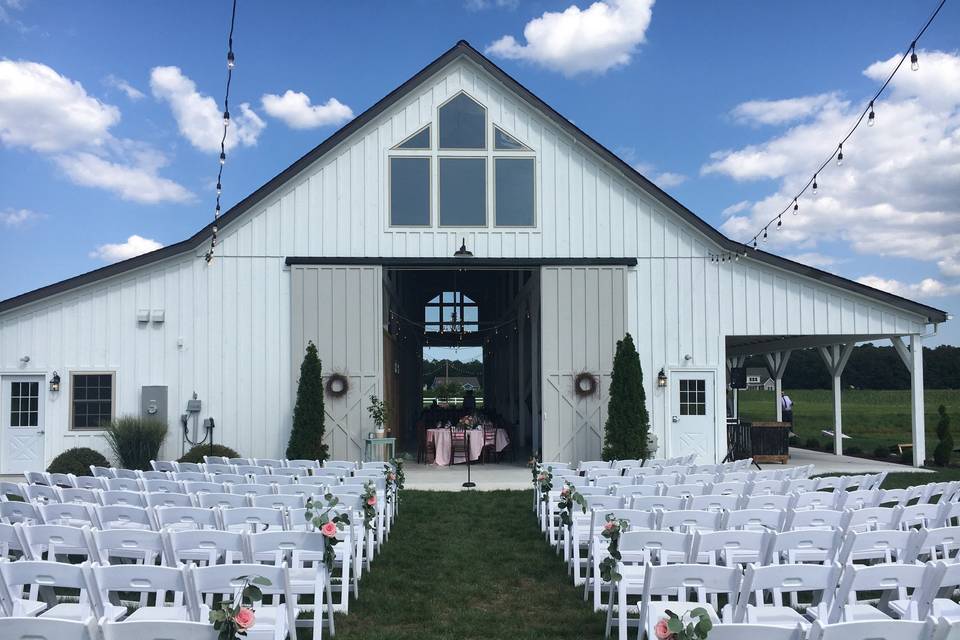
(569,496)
(612,528)
(319,515)
(468,422)
(232,619)
(369,497)
(692,625)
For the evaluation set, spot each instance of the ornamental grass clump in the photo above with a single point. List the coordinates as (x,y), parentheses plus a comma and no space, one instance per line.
(135,441)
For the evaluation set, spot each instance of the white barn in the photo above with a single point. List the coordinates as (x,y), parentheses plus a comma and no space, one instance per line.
(351,245)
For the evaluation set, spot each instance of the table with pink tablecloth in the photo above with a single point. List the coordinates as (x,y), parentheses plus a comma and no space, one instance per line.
(441,442)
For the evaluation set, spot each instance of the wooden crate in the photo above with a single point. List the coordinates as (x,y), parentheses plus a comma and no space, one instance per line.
(770,441)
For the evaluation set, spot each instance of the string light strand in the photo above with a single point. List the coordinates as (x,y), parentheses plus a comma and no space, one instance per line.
(231,63)
(868,113)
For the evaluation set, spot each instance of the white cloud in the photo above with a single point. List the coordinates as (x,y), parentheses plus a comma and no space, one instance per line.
(18,217)
(134,246)
(926,288)
(663,179)
(781,111)
(743,205)
(898,191)
(199,117)
(119,83)
(593,40)
(668,179)
(294,108)
(136,181)
(45,111)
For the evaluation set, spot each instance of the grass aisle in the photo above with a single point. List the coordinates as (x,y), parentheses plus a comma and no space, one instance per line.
(468,565)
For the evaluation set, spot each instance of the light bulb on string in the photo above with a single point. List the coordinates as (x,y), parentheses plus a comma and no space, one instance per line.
(796,207)
(223,158)
(231,60)
(815,186)
(226,118)
(914,61)
(840,156)
(779,222)
(871,117)
(754,242)
(219,188)
(764,234)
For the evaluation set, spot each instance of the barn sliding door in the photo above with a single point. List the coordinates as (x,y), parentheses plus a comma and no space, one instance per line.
(339,309)
(583,313)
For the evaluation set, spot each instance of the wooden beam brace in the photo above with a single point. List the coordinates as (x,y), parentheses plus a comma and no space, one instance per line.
(903,351)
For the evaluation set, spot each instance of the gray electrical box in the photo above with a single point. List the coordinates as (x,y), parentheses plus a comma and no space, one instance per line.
(153,403)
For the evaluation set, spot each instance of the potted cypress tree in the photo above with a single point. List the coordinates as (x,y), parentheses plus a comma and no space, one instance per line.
(628,424)
(306,437)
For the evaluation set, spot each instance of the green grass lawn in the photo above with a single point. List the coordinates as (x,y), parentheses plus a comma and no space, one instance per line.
(871,418)
(468,565)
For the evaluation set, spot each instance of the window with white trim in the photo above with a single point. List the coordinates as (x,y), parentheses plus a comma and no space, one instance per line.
(91,399)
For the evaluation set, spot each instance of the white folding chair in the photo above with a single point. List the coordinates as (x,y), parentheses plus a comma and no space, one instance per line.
(629,490)
(14,512)
(166,585)
(939,600)
(761,519)
(71,515)
(835,483)
(680,581)
(189,467)
(938,544)
(214,583)
(102,472)
(816,519)
(252,470)
(163,465)
(31,585)
(734,488)
(686,490)
(925,516)
(48,541)
(88,482)
(730,547)
(204,546)
(598,545)
(576,537)
(276,463)
(40,493)
(63,480)
(80,496)
(191,476)
(800,485)
(279,501)
(201,487)
(858,499)
(222,500)
(252,519)
(287,471)
(815,500)
(661,503)
(165,499)
(123,484)
(303,464)
(801,546)
(897,583)
(340,464)
(153,475)
(874,518)
(11,545)
(216,460)
(713,502)
(884,545)
(229,478)
(177,518)
(250,489)
(688,521)
(765,631)
(123,516)
(761,599)
(137,546)
(768,501)
(700,478)
(872,630)
(219,467)
(660,479)
(30,628)
(162,486)
(120,497)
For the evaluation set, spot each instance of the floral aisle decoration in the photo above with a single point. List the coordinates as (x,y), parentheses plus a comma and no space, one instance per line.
(369,497)
(612,528)
(569,496)
(233,619)
(318,514)
(543,481)
(692,625)
(395,478)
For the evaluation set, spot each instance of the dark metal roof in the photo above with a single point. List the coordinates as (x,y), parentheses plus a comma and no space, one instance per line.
(463,48)
(466,263)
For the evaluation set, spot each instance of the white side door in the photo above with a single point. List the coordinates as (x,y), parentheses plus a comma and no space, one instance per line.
(692,425)
(23,427)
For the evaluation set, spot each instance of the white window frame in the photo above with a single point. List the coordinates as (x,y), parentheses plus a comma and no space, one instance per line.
(422,154)
(113,396)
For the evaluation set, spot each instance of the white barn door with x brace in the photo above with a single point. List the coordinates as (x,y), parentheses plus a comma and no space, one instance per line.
(23,429)
(583,314)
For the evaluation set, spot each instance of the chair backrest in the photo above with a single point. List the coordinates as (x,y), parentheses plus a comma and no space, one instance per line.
(206,546)
(14,512)
(895,581)
(162,486)
(139,545)
(272,480)
(271,462)
(128,498)
(56,629)
(191,476)
(713,502)
(154,475)
(814,500)
(123,484)
(686,490)
(604,472)
(303,464)
(46,541)
(88,482)
(805,546)
(731,488)
(688,521)
(252,470)
(223,582)
(640,546)
(296,548)
(194,467)
(164,499)
(767,584)
(768,501)
(61,480)
(663,503)
(81,496)
(858,499)
(874,518)
(250,489)
(925,515)
(24,578)
(759,487)
(765,519)
(123,516)
(216,460)
(252,519)
(201,487)
(635,518)
(628,490)
(66,514)
(737,631)
(730,547)
(800,485)
(224,500)
(102,472)
(587,465)
(699,478)
(681,581)
(150,630)
(219,467)
(340,464)
(665,479)
(884,545)
(166,584)
(612,481)
(937,544)
(735,476)
(816,519)
(885,629)
(280,501)
(163,465)
(239,461)
(186,518)
(837,483)
(10,542)
(41,493)
(287,471)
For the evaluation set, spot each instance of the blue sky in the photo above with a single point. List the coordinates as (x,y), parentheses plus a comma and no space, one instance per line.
(727,105)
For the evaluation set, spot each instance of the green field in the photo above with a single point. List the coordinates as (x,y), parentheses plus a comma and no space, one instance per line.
(871,418)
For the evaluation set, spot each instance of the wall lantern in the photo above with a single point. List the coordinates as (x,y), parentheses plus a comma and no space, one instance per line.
(55,382)
(661,378)
(463,252)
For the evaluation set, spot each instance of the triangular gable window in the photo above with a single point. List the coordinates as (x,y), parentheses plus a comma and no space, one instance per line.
(419,140)
(503,141)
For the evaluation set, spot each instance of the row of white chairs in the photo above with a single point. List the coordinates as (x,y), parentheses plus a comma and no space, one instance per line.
(648,462)
(160,596)
(173,547)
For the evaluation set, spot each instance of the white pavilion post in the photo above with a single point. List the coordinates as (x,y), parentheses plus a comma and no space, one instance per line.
(777,365)
(836,359)
(912,357)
